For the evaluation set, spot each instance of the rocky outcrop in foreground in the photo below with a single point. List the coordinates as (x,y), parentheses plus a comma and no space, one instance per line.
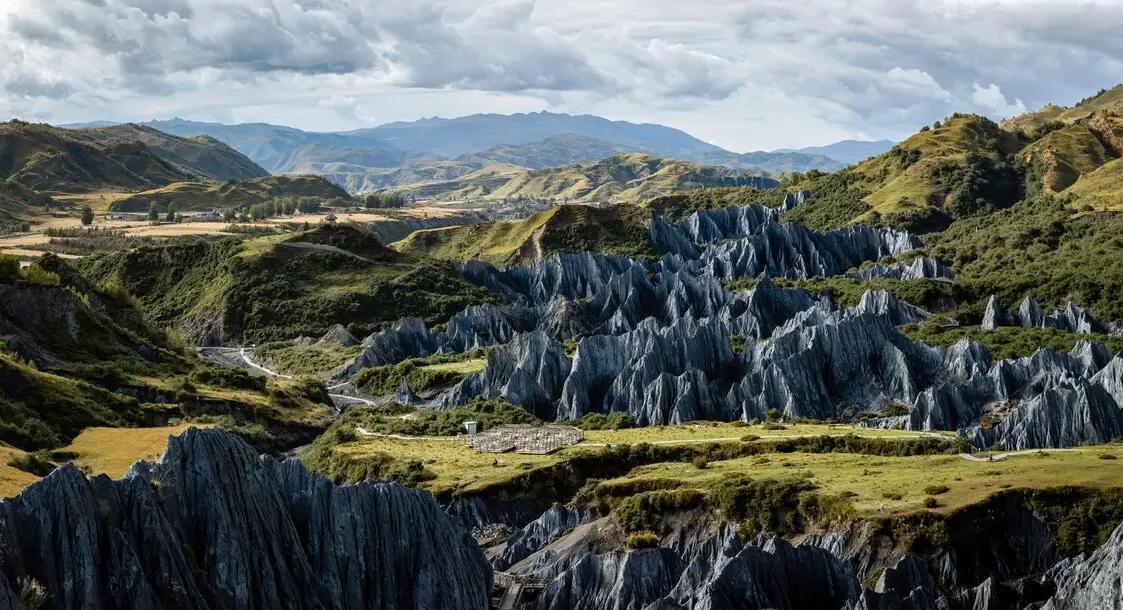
(1010,565)
(213,525)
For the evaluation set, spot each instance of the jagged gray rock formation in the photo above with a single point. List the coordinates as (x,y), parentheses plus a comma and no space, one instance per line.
(476,326)
(556,521)
(920,268)
(338,335)
(1090,582)
(1072,318)
(212,525)
(613,581)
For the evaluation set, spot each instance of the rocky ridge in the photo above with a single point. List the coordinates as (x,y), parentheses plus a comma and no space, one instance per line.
(656,340)
(1072,318)
(213,525)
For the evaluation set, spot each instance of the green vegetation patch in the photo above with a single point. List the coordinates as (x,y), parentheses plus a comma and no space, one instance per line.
(1008,342)
(421,374)
(280,287)
(317,360)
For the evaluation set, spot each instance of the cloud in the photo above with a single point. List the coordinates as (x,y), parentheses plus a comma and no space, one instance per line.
(991,101)
(809,71)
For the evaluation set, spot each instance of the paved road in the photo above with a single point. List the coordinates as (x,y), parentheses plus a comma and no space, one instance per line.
(230,357)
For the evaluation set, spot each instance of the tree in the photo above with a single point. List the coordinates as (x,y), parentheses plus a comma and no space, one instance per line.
(87,216)
(773,414)
(171,212)
(153,212)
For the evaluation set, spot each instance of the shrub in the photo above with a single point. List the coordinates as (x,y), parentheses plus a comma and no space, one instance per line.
(37,463)
(931,502)
(1108,456)
(643,539)
(891,495)
(9,268)
(700,462)
(762,505)
(935,490)
(773,414)
(37,275)
(768,425)
(610,421)
(649,510)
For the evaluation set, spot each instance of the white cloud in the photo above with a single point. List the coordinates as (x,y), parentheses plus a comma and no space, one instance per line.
(991,101)
(747,74)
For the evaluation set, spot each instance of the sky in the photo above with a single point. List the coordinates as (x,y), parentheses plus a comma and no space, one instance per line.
(745,75)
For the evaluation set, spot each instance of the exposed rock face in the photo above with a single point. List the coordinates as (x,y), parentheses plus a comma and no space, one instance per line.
(920,268)
(550,525)
(212,525)
(476,326)
(338,335)
(1072,318)
(1091,582)
(655,339)
(613,581)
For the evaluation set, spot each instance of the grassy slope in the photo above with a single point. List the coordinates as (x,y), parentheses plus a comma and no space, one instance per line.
(47,158)
(626,177)
(619,229)
(281,287)
(194,195)
(876,481)
(111,451)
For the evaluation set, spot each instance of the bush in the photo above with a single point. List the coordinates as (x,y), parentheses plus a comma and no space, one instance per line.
(931,502)
(611,421)
(9,268)
(37,463)
(700,462)
(768,425)
(650,510)
(37,275)
(935,490)
(1108,456)
(643,539)
(764,505)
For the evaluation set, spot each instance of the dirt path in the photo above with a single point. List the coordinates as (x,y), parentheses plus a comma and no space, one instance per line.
(998,457)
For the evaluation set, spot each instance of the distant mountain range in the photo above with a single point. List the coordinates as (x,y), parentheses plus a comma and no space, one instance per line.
(623,177)
(438,149)
(846,151)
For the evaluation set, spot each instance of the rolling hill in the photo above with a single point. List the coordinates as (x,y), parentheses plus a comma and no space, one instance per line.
(621,177)
(205,195)
(968,164)
(129,157)
(46,158)
(201,156)
(618,229)
(443,149)
(283,286)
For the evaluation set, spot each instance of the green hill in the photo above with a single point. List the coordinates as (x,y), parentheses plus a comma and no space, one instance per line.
(73,355)
(618,229)
(193,195)
(283,286)
(968,164)
(201,156)
(18,202)
(625,177)
(46,158)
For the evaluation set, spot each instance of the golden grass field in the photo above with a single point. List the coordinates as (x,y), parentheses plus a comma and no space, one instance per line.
(111,451)
(12,480)
(108,451)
